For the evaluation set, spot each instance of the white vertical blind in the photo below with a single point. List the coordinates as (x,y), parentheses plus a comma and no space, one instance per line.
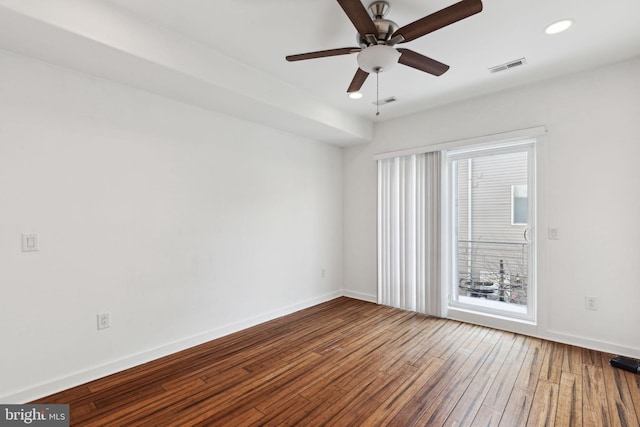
(409,232)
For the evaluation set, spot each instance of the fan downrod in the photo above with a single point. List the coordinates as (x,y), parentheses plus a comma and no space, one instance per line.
(378,9)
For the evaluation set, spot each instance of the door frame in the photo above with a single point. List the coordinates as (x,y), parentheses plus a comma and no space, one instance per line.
(467,312)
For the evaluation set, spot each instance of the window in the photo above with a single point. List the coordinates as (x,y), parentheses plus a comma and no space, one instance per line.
(491,212)
(519,205)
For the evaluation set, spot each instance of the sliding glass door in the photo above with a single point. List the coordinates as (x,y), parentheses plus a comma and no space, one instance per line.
(491,215)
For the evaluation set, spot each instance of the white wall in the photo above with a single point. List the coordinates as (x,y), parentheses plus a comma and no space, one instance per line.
(183,223)
(588,186)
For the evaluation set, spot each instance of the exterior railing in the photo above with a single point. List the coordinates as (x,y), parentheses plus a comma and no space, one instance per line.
(493,270)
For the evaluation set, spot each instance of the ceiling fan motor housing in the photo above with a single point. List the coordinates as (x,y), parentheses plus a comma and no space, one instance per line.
(378,10)
(385,28)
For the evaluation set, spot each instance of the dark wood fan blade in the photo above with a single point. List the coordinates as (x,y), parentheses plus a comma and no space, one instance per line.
(359,17)
(420,62)
(323,53)
(358,80)
(440,19)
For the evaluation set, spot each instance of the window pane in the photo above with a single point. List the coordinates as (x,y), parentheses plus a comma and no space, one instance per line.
(491,218)
(519,204)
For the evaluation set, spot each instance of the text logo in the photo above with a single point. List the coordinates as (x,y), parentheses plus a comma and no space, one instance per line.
(34,415)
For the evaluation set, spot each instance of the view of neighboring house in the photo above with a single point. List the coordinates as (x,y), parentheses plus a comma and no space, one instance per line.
(492,227)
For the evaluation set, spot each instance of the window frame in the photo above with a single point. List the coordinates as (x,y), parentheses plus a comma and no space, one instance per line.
(449,266)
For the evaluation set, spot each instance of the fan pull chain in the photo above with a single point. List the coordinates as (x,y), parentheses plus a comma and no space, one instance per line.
(377,70)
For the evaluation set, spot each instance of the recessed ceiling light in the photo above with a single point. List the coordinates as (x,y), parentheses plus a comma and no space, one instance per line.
(355,95)
(558,27)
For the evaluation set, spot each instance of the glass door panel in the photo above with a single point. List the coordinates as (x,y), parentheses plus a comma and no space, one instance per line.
(492,218)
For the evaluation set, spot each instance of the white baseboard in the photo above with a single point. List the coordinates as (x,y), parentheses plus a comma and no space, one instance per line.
(606,347)
(360,295)
(82,377)
(536,331)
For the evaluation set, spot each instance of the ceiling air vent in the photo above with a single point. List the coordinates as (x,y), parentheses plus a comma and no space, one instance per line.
(508,65)
(385,101)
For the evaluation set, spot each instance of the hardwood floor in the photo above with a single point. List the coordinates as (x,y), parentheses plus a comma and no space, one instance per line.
(349,363)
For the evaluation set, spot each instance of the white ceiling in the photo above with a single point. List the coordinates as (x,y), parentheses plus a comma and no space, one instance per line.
(262,32)
(229,55)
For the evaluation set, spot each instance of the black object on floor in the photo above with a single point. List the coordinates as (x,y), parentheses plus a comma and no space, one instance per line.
(625,363)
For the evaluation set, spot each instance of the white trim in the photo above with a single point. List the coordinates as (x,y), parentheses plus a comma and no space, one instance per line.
(527,144)
(495,321)
(480,150)
(360,295)
(45,389)
(532,330)
(502,138)
(82,377)
(603,346)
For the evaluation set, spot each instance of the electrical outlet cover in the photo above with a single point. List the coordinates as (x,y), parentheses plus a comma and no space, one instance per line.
(30,242)
(104,320)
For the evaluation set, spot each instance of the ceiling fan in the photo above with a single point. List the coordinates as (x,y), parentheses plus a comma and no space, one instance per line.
(377,36)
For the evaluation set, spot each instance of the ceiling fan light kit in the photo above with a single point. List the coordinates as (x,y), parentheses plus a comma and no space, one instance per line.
(378,58)
(378,36)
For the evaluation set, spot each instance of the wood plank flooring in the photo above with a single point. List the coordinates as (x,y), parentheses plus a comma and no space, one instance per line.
(352,363)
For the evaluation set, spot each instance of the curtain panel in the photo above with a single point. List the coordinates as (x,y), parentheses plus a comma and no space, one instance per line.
(409,232)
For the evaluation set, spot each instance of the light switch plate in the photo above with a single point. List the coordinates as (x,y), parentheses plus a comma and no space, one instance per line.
(30,243)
